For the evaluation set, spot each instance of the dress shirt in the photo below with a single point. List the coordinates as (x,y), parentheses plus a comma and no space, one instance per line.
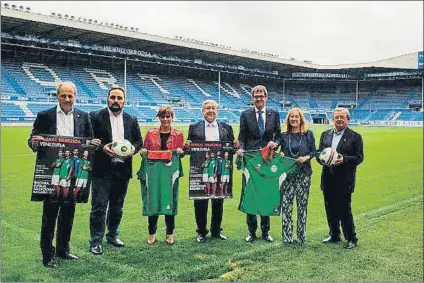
(117,125)
(263,114)
(64,122)
(336,139)
(211,131)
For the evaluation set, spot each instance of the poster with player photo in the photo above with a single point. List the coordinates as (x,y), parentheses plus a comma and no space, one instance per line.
(211,170)
(62,169)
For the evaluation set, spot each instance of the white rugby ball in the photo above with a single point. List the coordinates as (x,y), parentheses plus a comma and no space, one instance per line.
(122,148)
(329,156)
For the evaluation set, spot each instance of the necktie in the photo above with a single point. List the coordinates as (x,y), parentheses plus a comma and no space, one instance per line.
(261,124)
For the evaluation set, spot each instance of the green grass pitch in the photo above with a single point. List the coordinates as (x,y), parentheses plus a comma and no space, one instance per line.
(387,208)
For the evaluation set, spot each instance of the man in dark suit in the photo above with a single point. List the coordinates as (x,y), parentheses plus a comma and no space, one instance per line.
(61,120)
(110,179)
(338,182)
(209,130)
(259,127)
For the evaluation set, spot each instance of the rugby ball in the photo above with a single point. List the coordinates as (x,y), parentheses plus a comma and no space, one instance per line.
(122,148)
(328,156)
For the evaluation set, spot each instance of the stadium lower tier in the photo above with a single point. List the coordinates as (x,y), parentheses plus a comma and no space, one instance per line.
(22,111)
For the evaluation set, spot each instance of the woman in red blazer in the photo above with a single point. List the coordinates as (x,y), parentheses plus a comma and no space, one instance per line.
(163,138)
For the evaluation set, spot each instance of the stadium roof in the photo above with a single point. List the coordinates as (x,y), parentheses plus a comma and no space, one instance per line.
(25,23)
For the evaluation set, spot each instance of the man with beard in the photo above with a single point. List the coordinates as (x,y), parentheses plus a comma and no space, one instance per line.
(61,120)
(110,179)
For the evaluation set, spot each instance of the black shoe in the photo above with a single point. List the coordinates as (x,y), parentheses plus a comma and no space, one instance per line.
(51,264)
(350,245)
(267,237)
(220,236)
(67,256)
(331,239)
(250,238)
(200,238)
(96,249)
(115,241)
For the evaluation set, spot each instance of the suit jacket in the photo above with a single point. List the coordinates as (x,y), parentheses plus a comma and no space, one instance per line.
(102,130)
(196,132)
(343,176)
(45,123)
(249,136)
(152,140)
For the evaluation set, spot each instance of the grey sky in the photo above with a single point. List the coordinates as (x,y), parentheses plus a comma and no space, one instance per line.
(323,32)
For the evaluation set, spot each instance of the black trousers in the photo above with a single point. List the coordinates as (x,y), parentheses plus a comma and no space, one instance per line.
(201,214)
(64,214)
(339,212)
(106,191)
(169,222)
(252,224)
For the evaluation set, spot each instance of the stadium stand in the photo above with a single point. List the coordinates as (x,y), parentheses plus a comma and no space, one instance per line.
(34,62)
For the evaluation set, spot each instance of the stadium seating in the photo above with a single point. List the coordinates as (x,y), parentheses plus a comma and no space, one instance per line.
(29,81)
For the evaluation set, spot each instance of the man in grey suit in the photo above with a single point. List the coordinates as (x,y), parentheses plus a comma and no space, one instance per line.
(259,127)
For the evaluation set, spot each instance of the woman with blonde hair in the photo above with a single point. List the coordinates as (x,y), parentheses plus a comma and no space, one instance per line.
(299,143)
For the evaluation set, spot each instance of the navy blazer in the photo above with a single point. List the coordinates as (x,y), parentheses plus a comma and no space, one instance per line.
(102,130)
(249,136)
(341,177)
(307,148)
(196,132)
(45,123)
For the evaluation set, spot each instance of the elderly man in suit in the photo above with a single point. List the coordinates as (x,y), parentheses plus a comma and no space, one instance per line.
(338,182)
(209,130)
(259,127)
(110,179)
(61,120)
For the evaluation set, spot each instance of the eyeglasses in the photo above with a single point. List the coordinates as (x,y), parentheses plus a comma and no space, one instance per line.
(257,97)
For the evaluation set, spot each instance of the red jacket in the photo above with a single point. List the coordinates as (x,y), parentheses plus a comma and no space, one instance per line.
(152,140)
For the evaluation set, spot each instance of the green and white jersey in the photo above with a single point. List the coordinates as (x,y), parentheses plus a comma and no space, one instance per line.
(64,169)
(205,166)
(159,185)
(212,167)
(226,171)
(83,173)
(56,170)
(261,183)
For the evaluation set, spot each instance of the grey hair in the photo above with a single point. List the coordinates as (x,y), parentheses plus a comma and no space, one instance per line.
(209,101)
(342,109)
(66,82)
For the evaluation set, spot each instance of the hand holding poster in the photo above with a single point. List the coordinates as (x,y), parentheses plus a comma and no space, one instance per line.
(62,169)
(211,170)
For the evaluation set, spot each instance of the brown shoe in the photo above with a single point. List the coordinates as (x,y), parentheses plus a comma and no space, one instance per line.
(151,240)
(170,239)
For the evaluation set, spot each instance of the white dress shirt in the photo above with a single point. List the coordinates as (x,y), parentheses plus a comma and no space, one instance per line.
(336,139)
(64,122)
(263,114)
(117,125)
(211,131)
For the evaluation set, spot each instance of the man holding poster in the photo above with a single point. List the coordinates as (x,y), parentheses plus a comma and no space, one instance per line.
(209,130)
(61,120)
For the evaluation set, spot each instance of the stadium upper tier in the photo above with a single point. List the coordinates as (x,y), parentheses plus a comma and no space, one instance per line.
(29,82)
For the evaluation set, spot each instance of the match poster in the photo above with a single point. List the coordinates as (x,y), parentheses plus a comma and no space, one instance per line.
(63,169)
(211,170)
